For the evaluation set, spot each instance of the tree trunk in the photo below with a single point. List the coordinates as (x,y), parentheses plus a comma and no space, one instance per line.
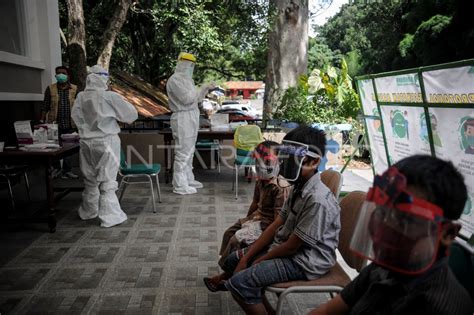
(77,43)
(111,32)
(287,50)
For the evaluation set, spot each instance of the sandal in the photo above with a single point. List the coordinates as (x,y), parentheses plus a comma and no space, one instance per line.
(214,287)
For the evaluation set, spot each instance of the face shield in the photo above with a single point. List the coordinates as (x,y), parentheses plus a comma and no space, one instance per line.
(97,78)
(291,156)
(395,229)
(266,163)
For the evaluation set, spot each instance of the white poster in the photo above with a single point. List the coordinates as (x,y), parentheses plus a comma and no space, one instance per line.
(399,89)
(377,147)
(450,86)
(367,97)
(454,141)
(405,131)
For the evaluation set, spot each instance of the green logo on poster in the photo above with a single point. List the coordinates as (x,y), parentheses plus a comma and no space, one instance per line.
(434,129)
(399,122)
(468,206)
(466,134)
(408,80)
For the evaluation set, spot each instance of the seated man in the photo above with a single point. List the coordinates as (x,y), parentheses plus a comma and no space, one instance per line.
(301,243)
(405,228)
(269,195)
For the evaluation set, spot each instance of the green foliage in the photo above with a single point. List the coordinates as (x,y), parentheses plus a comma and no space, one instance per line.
(406,45)
(228,37)
(325,97)
(320,55)
(392,35)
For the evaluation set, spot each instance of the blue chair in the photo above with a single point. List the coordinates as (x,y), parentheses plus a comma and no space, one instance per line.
(131,171)
(212,146)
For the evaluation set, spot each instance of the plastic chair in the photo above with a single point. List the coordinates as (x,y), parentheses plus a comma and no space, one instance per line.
(333,180)
(246,138)
(336,279)
(130,171)
(211,146)
(8,172)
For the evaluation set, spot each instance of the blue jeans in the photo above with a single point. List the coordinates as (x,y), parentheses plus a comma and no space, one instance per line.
(249,283)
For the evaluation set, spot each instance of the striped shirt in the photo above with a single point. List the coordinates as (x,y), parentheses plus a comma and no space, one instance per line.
(377,291)
(313,215)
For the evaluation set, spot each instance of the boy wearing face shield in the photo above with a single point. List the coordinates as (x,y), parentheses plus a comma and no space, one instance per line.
(300,244)
(269,195)
(406,227)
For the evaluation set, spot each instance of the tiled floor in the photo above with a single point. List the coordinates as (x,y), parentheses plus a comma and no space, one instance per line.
(152,264)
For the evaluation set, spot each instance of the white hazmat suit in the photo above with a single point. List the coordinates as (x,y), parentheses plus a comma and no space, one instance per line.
(95,113)
(183,102)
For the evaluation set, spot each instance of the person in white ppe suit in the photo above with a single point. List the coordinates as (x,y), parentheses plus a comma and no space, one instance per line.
(183,101)
(95,112)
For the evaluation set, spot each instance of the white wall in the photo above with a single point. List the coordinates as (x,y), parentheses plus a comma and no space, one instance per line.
(25,76)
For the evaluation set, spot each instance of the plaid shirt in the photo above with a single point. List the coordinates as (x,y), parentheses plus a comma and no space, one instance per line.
(63,118)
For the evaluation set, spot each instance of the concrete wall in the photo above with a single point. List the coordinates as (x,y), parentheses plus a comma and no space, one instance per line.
(25,72)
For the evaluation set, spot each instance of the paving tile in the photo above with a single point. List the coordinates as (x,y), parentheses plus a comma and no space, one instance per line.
(42,255)
(198,235)
(159,221)
(202,200)
(107,236)
(21,279)
(154,236)
(168,209)
(192,303)
(135,277)
(62,237)
(200,210)
(8,304)
(135,303)
(199,222)
(149,254)
(198,252)
(94,254)
(76,278)
(58,304)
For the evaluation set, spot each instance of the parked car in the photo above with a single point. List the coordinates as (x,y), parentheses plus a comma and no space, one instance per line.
(245,107)
(237,115)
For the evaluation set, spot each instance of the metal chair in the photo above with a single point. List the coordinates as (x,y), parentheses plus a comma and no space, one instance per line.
(336,279)
(8,172)
(131,171)
(212,146)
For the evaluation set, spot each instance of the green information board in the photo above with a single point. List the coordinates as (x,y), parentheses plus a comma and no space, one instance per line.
(428,110)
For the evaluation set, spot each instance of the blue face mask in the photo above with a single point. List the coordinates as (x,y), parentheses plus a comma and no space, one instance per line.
(470,140)
(61,78)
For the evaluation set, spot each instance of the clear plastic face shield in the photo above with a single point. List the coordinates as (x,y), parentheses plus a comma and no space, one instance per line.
(291,156)
(266,163)
(100,73)
(395,229)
